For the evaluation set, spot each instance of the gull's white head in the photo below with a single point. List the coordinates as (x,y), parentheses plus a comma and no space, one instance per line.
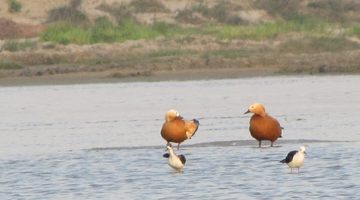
(302,149)
(169,148)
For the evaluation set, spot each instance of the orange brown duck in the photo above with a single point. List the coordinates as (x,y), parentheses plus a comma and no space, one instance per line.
(263,126)
(176,129)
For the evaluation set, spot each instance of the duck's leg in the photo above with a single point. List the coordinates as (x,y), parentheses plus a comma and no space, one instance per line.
(178,146)
(272,143)
(259,143)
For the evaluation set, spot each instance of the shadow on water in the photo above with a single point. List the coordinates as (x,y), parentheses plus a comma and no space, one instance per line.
(219,144)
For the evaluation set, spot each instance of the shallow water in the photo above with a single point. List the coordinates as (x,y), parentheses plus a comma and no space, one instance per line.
(101,141)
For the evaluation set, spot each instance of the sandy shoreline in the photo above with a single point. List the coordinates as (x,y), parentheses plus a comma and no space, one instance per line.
(102,77)
(154,76)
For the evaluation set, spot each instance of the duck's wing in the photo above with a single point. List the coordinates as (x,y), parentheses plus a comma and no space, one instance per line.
(182,159)
(191,127)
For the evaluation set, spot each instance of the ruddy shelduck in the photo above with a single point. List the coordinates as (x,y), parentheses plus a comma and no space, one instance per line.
(263,126)
(177,162)
(176,129)
(295,159)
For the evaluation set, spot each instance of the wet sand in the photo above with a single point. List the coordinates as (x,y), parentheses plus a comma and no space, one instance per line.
(104,77)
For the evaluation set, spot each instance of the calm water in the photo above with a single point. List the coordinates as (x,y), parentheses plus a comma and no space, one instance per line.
(102,141)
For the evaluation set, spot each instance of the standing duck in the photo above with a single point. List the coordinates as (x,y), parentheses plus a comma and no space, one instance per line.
(177,162)
(295,159)
(263,126)
(176,129)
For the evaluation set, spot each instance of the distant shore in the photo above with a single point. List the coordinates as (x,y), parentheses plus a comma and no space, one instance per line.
(162,59)
(178,75)
(107,41)
(102,77)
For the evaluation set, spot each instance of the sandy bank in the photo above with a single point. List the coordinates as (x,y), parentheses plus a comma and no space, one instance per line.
(102,77)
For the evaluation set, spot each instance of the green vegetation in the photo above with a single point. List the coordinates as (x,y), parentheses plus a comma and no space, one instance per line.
(104,31)
(65,33)
(354,30)
(299,36)
(14,45)
(14,6)
(220,20)
(9,65)
(271,30)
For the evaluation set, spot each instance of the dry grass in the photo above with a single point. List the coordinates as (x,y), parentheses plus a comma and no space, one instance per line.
(71,14)
(149,6)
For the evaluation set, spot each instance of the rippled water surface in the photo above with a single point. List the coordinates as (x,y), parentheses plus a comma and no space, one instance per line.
(102,141)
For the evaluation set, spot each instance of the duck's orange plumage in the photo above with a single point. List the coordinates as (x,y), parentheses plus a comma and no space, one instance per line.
(262,125)
(176,129)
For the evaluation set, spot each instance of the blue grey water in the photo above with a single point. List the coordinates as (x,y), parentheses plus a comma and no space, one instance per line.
(102,141)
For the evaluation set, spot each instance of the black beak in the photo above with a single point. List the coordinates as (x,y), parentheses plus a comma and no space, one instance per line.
(248,111)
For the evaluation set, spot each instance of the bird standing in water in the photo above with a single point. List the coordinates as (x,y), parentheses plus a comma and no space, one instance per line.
(295,159)
(176,129)
(263,126)
(177,162)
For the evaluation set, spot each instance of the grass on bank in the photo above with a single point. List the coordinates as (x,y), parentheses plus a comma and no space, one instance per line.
(354,30)
(270,30)
(105,31)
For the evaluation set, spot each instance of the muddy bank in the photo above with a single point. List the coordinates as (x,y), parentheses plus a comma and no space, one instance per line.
(11,30)
(103,77)
(182,68)
(163,75)
(162,59)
